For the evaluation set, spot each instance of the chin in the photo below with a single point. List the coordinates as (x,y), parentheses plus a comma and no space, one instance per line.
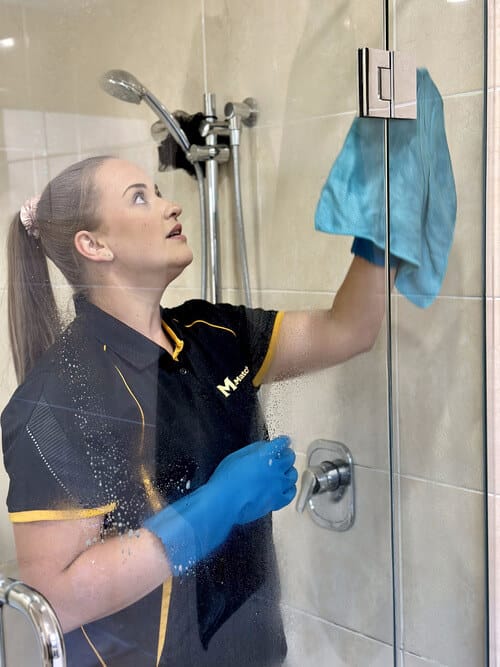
(175,271)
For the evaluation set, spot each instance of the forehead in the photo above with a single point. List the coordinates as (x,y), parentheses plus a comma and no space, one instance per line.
(114,175)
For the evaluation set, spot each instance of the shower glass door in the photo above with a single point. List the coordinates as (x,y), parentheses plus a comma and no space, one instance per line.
(438,379)
(337,590)
(405,584)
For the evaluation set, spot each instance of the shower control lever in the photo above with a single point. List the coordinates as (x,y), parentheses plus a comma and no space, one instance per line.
(327,485)
(327,476)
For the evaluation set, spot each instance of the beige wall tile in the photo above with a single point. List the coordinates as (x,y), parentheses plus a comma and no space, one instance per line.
(494,398)
(493,576)
(23,132)
(103,134)
(282,173)
(454,59)
(491,193)
(347,403)
(163,51)
(309,69)
(14,81)
(70,46)
(464,129)
(312,641)
(52,46)
(289,192)
(342,577)
(443,573)
(440,387)
(20,184)
(62,133)
(494,190)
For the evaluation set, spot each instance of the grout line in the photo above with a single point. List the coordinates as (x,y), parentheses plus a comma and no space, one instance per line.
(466,93)
(428,661)
(416,478)
(425,480)
(353,112)
(345,628)
(46,156)
(332,292)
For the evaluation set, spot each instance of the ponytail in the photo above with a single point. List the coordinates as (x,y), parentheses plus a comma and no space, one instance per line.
(68,204)
(33,316)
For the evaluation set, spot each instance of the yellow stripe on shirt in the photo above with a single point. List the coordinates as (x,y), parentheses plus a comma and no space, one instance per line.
(261,373)
(214,326)
(60,515)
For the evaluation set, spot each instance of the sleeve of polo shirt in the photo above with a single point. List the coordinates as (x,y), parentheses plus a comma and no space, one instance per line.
(50,474)
(257,331)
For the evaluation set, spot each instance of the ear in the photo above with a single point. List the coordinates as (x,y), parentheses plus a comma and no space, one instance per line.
(90,248)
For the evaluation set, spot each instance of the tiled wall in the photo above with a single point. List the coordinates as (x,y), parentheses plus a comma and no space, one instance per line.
(298,59)
(439,374)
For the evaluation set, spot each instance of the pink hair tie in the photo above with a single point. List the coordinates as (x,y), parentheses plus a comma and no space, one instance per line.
(28,217)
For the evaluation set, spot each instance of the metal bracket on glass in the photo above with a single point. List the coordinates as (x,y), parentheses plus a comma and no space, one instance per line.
(387,84)
(327,488)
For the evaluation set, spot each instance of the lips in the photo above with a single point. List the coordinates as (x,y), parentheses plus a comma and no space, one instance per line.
(175,231)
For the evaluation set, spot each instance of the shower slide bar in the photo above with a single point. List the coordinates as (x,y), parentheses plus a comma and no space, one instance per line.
(31,604)
(124,86)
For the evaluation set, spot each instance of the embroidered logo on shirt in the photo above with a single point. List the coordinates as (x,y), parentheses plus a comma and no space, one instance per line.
(231,385)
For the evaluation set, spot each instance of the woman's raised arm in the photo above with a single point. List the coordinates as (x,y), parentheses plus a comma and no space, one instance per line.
(316,339)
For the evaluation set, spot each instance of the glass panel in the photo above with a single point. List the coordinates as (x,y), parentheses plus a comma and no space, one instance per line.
(122,419)
(438,371)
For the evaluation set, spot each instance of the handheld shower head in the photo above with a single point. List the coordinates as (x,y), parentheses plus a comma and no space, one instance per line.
(122,85)
(126,87)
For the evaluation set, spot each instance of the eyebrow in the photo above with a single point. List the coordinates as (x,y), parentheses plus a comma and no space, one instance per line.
(135,185)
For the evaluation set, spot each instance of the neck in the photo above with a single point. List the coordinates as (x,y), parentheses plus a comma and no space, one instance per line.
(137,308)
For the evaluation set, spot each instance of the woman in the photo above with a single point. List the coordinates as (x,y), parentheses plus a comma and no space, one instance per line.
(141,474)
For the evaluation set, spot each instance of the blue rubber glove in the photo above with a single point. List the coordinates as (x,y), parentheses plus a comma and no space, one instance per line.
(368,250)
(245,486)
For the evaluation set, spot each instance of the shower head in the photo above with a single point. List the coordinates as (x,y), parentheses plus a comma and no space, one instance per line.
(122,85)
(126,87)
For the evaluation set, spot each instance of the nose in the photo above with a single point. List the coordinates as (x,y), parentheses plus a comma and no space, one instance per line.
(172,210)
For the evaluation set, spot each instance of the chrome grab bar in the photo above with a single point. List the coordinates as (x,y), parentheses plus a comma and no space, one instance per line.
(36,608)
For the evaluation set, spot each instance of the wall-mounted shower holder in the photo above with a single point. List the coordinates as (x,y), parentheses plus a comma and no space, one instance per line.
(327,485)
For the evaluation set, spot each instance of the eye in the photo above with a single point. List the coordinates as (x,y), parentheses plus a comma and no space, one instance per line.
(157,191)
(139,197)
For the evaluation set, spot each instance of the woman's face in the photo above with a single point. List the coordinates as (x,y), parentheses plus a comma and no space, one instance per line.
(139,227)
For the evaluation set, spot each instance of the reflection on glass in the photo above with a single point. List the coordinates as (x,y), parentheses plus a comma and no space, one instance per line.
(142,476)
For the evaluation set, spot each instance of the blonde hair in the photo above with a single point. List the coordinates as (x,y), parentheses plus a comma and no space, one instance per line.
(68,204)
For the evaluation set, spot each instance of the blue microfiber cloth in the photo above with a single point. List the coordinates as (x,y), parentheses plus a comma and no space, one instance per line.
(422,193)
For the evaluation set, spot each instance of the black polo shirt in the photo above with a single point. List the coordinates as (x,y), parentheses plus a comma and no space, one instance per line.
(109,423)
